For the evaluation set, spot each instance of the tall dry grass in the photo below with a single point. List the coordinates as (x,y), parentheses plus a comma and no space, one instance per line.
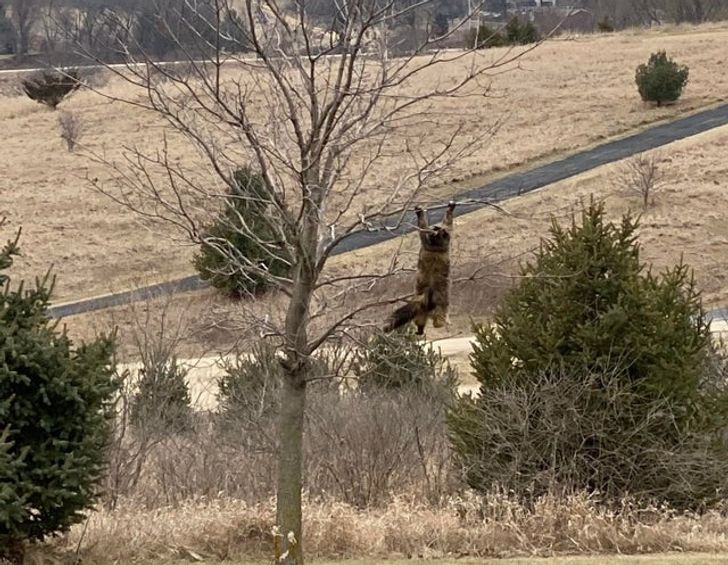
(496,525)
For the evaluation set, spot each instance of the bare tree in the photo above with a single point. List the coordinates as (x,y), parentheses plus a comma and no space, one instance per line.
(71,127)
(322,113)
(23,15)
(648,12)
(642,175)
(697,11)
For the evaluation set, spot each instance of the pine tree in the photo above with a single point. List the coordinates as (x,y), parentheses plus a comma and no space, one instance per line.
(630,346)
(243,234)
(586,303)
(54,416)
(162,405)
(661,79)
(518,33)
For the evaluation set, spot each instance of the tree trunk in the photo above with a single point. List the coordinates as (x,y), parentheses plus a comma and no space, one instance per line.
(293,393)
(23,17)
(23,45)
(290,468)
(698,12)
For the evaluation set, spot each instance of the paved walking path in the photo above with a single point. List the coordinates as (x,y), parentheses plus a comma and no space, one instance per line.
(499,190)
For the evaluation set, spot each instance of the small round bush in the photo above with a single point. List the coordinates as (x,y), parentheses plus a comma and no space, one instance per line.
(240,251)
(54,417)
(162,404)
(249,385)
(483,38)
(399,361)
(518,33)
(605,26)
(661,79)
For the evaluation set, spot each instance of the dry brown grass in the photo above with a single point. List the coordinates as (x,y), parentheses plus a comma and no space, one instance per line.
(495,526)
(687,220)
(548,107)
(672,558)
(658,559)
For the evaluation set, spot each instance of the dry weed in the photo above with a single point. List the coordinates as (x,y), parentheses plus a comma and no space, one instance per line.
(495,525)
(71,128)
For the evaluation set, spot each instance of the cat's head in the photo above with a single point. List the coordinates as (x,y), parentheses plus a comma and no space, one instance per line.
(437,238)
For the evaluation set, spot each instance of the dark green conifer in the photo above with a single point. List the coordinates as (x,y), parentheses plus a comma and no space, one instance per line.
(54,416)
(595,373)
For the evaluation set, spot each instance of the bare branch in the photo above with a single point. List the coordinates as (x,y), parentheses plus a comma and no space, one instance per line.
(319,111)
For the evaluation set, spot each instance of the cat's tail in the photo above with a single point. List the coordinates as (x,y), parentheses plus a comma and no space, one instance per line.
(402,316)
(407,313)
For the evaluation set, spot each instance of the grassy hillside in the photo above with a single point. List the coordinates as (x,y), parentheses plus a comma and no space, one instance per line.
(567,94)
(686,220)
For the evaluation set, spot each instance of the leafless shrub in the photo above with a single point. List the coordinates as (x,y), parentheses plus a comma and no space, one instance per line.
(556,434)
(366,449)
(145,419)
(641,175)
(72,128)
(363,447)
(203,462)
(362,450)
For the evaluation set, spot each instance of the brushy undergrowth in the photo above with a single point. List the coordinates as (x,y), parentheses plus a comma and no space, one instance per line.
(363,444)
(494,525)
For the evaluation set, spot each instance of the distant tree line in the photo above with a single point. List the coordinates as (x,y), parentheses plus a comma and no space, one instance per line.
(158,28)
(162,27)
(628,13)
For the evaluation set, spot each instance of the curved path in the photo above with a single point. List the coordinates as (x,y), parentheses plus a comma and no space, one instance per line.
(203,374)
(499,190)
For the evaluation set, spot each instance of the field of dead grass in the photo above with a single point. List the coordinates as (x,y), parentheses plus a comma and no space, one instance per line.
(658,559)
(687,219)
(216,530)
(567,94)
